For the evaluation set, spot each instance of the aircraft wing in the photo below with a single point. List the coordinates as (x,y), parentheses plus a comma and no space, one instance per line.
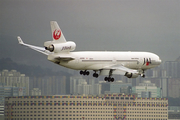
(124,69)
(118,69)
(65,58)
(36,48)
(59,58)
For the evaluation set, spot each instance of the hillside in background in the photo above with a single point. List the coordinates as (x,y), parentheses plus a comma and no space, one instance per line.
(9,64)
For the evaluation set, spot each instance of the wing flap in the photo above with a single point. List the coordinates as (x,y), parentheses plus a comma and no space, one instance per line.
(117,70)
(125,69)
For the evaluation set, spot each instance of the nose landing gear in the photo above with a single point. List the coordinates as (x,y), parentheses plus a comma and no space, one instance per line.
(143,75)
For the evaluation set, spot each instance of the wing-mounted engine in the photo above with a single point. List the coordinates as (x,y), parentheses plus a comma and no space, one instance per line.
(59,47)
(131,75)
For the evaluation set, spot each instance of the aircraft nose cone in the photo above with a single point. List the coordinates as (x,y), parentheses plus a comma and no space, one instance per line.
(156,62)
(159,61)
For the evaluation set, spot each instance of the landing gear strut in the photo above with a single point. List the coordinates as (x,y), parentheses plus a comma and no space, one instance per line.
(109,79)
(95,75)
(84,72)
(143,75)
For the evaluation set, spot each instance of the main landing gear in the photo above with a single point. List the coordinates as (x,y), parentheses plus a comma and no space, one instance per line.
(87,73)
(84,72)
(109,79)
(95,75)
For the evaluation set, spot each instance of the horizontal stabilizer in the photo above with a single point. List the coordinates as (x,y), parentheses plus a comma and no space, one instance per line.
(36,48)
(20,40)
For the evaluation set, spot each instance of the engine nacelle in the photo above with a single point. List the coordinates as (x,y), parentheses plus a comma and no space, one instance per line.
(61,47)
(131,75)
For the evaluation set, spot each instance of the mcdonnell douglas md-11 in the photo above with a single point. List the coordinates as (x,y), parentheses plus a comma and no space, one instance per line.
(108,63)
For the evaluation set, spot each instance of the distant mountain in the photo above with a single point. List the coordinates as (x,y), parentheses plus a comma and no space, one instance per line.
(9,64)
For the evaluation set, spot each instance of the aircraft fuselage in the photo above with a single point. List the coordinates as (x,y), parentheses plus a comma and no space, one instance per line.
(89,60)
(129,64)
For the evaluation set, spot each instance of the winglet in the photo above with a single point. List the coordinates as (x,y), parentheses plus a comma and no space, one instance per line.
(20,40)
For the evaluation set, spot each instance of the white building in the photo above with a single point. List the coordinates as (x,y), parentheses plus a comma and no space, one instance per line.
(116,86)
(14,79)
(147,86)
(79,86)
(35,92)
(1,110)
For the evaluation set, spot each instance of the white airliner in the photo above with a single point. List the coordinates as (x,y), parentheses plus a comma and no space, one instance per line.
(129,64)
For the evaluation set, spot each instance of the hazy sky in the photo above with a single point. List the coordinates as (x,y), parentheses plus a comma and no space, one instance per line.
(121,25)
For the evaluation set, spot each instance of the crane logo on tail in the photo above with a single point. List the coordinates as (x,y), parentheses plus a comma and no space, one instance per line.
(57,34)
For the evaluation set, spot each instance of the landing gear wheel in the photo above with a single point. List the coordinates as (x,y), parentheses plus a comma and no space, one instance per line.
(112,79)
(106,78)
(143,75)
(81,72)
(84,72)
(95,75)
(109,79)
(87,73)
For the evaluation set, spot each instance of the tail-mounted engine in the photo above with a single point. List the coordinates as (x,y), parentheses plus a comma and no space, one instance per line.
(60,47)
